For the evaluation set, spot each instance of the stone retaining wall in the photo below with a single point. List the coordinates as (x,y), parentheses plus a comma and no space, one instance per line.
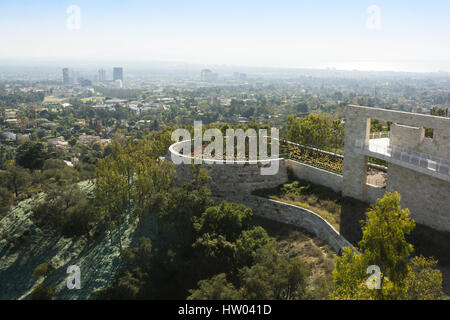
(300,217)
(315,175)
(235,180)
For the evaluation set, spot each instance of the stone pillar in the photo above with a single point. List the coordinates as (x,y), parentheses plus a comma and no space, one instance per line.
(357,131)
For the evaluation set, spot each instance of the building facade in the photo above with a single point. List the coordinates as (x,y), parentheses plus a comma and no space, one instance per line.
(102,75)
(118,74)
(418,166)
(66,78)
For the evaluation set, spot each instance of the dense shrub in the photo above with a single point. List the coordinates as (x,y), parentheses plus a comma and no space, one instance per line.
(43,270)
(316,158)
(78,218)
(67,210)
(5,200)
(15,179)
(42,293)
(126,286)
(85,170)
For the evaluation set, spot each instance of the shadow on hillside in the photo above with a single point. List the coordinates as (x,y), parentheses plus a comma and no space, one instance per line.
(427,241)
(352,213)
(431,243)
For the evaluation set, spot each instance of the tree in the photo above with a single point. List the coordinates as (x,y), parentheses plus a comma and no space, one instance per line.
(16,179)
(180,205)
(249,242)
(215,288)
(313,130)
(126,286)
(111,194)
(78,218)
(228,219)
(424,282)
(349,276)
(54,164)
(274,276)
(43,270)
(62,198)
(131,179)
(384,245)
(3,153)
(31,155)
(72,141)
(301,107)
(140,256)
(215,253)
(152,178)
(125,165)
(5,197)
(67,210)
(375,125)
(338,134)
(383,241)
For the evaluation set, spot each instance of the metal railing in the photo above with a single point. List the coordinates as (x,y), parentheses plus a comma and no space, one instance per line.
(416,158)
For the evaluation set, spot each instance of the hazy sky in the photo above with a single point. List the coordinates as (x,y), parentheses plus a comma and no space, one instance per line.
(409,35)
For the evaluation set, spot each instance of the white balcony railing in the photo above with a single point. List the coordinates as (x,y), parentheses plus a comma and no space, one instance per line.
(415,158)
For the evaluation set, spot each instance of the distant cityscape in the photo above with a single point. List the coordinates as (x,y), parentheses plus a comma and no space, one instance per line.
(73,78)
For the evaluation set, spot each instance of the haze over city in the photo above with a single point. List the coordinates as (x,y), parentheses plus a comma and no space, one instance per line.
(363,35)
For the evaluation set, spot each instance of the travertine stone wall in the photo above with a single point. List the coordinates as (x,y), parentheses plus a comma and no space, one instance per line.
(299,217)
(357,128)
(441,125)
(414,138)
(236,180)
(406,136)
(315,175)
(374,193)
(426,196)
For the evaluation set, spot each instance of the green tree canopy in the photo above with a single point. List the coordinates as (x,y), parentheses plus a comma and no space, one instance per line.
(228,219)
(31,155)
(384,245)
(314,130)
(131,179)
(215,288)
(16,179)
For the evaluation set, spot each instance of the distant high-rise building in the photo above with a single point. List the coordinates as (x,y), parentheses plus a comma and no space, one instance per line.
(66,78)
(208,75)
(205,74)
(118,74)
(239,76)
(102,75)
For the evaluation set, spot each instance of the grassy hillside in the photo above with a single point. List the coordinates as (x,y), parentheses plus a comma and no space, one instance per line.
(24,246)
